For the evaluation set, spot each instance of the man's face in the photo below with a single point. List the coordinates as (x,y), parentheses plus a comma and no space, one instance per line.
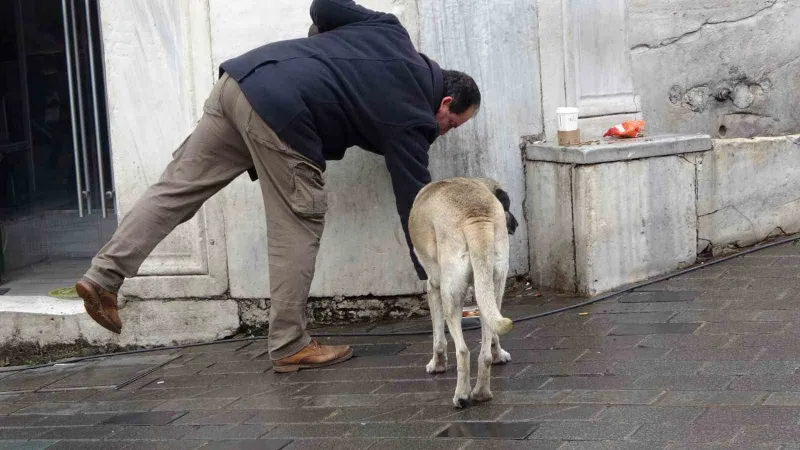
(448,120)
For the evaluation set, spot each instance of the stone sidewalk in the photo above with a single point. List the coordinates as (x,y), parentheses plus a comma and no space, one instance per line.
(708,360)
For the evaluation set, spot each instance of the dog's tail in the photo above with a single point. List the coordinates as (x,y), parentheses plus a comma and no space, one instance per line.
(480,242)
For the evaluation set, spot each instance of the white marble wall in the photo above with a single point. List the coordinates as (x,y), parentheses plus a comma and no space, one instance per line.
(158,70)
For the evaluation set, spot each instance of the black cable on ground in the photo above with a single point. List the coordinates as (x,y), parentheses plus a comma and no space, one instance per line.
(427,332)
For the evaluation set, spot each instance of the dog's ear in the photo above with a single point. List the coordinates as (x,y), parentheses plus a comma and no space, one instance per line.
(511,222)
(504,199)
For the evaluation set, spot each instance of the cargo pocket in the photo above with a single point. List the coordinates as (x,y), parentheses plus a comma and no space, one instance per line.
(308,198)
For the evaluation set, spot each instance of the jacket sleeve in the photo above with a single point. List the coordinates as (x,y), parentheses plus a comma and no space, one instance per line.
(331,14)
(407,160)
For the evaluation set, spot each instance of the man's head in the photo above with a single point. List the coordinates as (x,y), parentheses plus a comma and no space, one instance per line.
(461,101)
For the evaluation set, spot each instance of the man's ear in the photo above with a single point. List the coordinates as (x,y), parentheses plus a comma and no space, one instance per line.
(445,102)
(312,30)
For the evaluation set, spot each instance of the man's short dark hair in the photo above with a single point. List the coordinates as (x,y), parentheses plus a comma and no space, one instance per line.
(463,89)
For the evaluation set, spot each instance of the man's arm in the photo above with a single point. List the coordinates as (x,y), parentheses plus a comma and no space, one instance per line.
(331,14)
(407,160)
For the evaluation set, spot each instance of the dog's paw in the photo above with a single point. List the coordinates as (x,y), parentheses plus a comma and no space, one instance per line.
(460,401)
(481,395)
(436,366)
(501,357)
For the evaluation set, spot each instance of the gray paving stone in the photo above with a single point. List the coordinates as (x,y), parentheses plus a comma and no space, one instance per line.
(87,445)
(664,432)
(121,406)
(249,390)
(238,367)
(486,412)
(551,413)
(566,331)
(19,421)
(25,445)
(145,418)
(348,400)
(262,444)
(88,432)
(291,416)
(750,367)
(683,382)
(332,444)
(317,430)
(764,434)
(647,317)
(102,377)
(766,383)
(269,402)
(688,341)
(721,446)
(32,380)
(653,328)
(649,414)
(9,408)
(486,444)
(164,445)
(355,387)
(152,433)
(396,430)
(227,432)
(598,342)
(543,371)
(405,444)
(611,397)
(186,381)
(541,397)
(53,408)
(629,354)
(657,297)
(593,382)
(74,420)
(215,417)
(715,315)
(393,414)
(410,360)
(783,399)
(194,404)
(711,398)
(612,445)
(741,328)
(7,434)
(71,396)
(178,370)
(539,356)
(573,431)
(751,415)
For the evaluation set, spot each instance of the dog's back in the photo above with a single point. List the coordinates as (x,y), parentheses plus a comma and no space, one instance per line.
(459,228)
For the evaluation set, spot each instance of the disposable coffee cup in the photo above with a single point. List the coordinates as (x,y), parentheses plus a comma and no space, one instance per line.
(568,131)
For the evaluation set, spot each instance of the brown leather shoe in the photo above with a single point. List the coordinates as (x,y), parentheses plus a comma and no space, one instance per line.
(100,304)
(312,356)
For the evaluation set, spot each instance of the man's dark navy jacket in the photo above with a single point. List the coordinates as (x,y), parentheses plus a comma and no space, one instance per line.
(359,82)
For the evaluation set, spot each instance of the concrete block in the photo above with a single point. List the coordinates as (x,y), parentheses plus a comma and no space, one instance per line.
(46,320)
(549,209)
(633,220)
(748,190)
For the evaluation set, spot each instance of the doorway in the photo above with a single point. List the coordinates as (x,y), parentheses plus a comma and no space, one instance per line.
(56,187)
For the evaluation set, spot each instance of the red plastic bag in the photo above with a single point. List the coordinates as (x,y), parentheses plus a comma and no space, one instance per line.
(627,129)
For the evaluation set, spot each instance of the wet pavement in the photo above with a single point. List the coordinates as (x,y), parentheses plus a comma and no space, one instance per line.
(708,360)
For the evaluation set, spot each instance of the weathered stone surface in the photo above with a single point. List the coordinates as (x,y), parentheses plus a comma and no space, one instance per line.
(748,190)
(750,88)
(549,210)
(633,220)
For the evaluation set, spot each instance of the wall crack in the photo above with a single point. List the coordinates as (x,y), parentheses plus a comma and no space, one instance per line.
(707,23)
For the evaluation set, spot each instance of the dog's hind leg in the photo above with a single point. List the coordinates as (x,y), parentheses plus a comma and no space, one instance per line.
(500,356)
(453,288)
(438,363)
(482,391)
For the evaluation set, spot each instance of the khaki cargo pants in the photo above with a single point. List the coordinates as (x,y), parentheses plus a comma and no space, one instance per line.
(229,139)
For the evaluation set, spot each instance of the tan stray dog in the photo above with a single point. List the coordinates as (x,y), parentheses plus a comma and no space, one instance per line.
(459,228)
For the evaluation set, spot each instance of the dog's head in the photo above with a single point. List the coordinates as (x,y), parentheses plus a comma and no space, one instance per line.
(511,221)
